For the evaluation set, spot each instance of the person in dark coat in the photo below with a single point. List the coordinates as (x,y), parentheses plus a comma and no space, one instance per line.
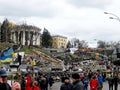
(110,82)
(3,81)
(19,57)
(115,80)
(77,83)
(66,85)
(43,82)
(85,81)
(47,82)
(23,83)
(50,81)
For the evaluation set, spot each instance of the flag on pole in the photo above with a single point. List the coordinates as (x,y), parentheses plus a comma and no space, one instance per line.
(6,59)
(8,52)
(7,55)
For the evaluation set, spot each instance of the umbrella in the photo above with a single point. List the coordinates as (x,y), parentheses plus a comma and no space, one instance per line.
(36,68)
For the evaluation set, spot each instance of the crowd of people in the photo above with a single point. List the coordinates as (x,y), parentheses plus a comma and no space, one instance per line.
(75,81)
(90,81)
(25,82)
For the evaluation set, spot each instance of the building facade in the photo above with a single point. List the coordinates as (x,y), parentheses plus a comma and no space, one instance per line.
(26,35)
(59,41)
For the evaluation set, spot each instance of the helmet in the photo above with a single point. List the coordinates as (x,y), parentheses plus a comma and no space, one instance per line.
(3,73)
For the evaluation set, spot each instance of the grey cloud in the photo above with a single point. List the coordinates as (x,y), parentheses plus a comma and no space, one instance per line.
(90,3)
(27,8)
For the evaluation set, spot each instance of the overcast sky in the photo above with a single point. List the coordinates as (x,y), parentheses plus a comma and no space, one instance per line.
(83,19)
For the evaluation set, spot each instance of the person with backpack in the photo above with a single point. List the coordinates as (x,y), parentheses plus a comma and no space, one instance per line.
(3,81)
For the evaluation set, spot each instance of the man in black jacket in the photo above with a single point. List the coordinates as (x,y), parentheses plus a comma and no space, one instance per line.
(115,81)
(77,83)
(66,85)
(3,81)
(110,82)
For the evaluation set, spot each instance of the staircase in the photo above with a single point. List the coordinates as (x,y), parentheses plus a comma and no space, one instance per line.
(55,63)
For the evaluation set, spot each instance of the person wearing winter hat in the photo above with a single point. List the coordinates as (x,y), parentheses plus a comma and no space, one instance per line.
(77,83)
(66,85)
(3,80)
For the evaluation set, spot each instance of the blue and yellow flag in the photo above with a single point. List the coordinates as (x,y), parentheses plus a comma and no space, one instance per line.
(8,52)
(7,55)
(6,58)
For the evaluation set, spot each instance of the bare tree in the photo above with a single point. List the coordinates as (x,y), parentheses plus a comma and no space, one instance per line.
(79,43)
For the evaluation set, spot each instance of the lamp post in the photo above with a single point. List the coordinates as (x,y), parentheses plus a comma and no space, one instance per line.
(115,69)
(114,16)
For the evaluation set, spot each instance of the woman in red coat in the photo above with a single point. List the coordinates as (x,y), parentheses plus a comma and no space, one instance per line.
(28,82)
(93,83)
(35,86)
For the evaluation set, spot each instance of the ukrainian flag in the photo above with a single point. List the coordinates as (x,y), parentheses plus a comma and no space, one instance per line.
(9,52)
(4,59)
(7,56)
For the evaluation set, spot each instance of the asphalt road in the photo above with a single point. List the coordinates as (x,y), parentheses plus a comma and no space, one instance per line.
(56,86)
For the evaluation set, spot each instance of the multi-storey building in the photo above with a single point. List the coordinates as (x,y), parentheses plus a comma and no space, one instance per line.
(59,41)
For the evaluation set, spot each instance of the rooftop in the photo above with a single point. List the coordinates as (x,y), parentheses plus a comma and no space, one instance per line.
(59,36)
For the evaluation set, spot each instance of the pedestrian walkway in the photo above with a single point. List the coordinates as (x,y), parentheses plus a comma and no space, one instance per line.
(56,86)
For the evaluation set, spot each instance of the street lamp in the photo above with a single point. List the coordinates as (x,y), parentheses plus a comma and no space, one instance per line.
(116,69)
(115,16)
